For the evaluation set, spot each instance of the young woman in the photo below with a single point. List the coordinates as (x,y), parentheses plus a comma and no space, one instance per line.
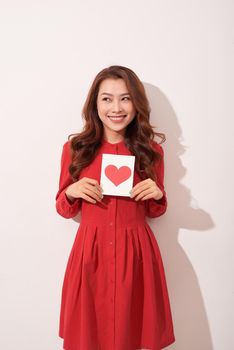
(114,294)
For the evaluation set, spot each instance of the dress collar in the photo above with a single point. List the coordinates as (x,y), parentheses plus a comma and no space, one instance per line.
(105,142)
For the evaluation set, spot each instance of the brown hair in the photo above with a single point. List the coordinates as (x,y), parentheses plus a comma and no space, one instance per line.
(138,135)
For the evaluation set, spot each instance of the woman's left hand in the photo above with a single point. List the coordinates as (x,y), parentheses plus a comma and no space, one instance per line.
(146,189)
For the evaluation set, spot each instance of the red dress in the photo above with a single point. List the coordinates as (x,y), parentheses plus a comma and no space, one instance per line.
(114,294)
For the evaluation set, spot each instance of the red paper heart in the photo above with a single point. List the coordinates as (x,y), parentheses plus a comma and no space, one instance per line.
(117,176)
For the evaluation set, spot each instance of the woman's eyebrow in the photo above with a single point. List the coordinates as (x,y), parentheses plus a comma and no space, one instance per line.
(107,93)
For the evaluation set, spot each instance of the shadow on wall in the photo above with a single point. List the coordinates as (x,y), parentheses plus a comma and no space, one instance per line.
(188,310)
(191,325)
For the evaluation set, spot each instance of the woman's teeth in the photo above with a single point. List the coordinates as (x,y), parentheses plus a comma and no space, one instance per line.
(117,118)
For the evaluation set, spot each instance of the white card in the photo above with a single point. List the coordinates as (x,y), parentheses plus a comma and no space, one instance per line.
(117,174)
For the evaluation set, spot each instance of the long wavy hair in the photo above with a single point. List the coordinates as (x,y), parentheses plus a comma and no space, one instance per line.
(139,132)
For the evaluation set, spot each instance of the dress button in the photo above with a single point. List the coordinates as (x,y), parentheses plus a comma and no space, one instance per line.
(111,242)
(111,223)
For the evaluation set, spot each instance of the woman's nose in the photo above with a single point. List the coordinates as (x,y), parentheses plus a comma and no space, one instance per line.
(116,107)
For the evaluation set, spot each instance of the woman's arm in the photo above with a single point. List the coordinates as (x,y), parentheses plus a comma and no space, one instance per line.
(66,206)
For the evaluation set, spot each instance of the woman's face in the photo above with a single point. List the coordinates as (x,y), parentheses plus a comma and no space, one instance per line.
(114,105)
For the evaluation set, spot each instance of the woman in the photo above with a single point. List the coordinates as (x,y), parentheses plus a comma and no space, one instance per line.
(114,294)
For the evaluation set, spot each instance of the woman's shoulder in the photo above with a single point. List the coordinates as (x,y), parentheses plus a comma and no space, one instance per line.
(66,149)
(157,146)
(67,144)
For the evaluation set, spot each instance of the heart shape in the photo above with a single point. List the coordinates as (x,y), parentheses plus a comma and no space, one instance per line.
(117,176)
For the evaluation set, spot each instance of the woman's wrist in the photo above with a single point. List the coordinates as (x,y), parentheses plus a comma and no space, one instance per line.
(71,198)
(158,199)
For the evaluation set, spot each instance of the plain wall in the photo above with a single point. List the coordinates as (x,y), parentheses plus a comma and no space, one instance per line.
(183,52)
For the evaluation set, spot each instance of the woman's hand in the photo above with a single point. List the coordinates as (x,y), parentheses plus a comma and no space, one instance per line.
(86,188)
(146,189)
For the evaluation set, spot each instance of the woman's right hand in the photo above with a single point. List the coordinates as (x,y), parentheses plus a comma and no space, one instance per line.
(86,188)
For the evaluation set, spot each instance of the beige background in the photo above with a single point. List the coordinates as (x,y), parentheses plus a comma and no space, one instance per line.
(183,52)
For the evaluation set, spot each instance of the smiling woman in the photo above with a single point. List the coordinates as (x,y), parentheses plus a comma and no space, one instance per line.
(114,294)
(115,111)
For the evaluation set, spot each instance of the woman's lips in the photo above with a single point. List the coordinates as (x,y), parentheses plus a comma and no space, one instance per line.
(116,118)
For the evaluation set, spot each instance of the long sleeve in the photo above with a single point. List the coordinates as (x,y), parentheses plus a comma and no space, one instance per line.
(64,206)
(158,207)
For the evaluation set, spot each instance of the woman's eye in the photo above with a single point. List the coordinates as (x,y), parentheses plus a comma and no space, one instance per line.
(107,98)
